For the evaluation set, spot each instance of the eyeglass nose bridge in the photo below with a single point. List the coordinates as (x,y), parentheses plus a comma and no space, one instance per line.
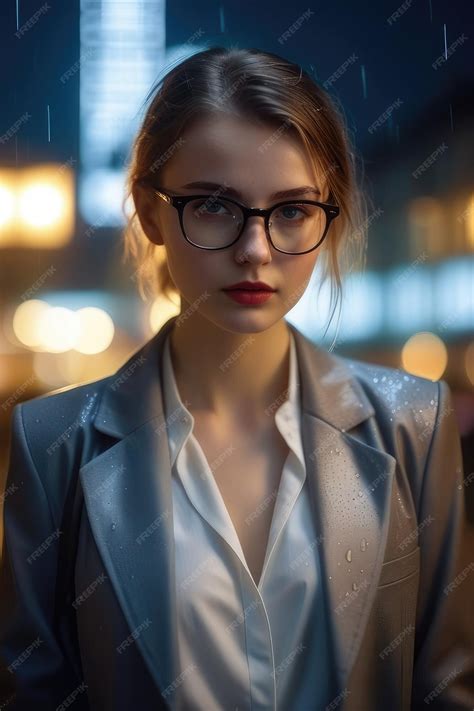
(255,212)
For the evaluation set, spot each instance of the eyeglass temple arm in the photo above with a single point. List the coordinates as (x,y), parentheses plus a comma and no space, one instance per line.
(163,196)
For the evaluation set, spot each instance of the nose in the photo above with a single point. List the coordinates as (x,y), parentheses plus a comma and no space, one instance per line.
(253,244)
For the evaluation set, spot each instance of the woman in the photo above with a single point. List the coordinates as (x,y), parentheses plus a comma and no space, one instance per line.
(266,525)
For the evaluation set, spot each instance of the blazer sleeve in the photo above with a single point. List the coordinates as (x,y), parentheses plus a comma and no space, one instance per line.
(443,673)
(34,673)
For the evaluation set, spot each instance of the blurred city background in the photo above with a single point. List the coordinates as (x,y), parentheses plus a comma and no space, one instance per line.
(74,76)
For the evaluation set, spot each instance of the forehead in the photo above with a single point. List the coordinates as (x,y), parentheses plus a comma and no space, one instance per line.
(256,158)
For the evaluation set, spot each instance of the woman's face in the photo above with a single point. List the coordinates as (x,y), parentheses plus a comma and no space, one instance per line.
(224,151)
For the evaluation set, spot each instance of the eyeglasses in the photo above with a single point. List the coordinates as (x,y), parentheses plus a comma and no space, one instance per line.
(211,222)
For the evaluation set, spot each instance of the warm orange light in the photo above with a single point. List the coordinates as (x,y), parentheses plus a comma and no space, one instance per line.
(37,206)
(425,354)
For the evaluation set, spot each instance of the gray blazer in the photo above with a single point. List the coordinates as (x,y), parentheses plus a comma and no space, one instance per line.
(384,469)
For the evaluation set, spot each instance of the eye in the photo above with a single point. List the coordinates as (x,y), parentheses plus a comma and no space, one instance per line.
(290,210)
(210,207)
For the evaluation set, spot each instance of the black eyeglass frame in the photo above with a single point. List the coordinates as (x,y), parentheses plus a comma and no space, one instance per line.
(179,203)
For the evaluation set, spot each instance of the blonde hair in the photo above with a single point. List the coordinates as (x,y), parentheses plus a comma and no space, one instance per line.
(261,86)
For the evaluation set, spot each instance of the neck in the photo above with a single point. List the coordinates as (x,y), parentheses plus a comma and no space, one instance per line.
(231,376)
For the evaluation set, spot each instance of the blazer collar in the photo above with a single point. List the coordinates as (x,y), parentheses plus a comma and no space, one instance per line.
(133,395)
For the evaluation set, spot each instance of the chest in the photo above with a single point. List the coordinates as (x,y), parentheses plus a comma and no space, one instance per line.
(247,469)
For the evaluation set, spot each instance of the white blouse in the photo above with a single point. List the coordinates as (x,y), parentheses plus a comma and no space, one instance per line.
(243,646)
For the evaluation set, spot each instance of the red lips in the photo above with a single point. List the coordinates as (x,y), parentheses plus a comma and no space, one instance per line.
(250,286)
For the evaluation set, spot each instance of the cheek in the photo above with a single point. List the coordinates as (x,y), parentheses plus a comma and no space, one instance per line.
(299,271)
(192,269)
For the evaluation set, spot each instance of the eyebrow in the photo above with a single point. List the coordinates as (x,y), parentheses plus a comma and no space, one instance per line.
(282,194)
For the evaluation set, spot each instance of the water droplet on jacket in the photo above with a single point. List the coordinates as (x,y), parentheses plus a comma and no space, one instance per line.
(354,586)
(114,526)
(349,555)
(37,419)
(363,544)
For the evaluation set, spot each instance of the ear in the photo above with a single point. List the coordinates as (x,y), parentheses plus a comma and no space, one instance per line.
(146,204)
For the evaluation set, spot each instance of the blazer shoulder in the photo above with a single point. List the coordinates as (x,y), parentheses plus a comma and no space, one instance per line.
(397,395)
(59,406)
(48,434)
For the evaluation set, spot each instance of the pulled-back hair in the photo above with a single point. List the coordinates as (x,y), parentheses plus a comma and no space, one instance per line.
(265,87)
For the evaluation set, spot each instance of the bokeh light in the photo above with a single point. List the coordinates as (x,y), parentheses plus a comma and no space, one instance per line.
(425,354)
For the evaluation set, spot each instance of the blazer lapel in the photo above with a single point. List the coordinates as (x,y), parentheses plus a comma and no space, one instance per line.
(350,485)
(127,493)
